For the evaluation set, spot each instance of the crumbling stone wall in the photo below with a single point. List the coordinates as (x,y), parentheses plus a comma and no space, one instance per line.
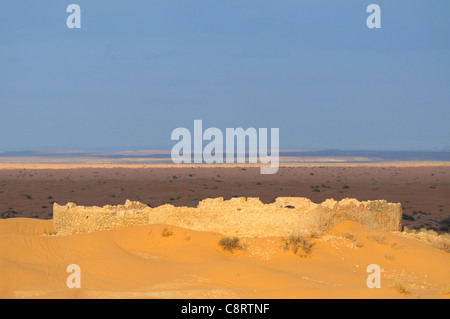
(243,217)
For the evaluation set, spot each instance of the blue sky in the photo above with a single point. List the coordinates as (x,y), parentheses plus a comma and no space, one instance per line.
(136,70)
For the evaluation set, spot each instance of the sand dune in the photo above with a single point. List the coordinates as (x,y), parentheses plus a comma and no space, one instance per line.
(140,262)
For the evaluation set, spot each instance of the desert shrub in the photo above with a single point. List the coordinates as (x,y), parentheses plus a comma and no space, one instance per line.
(230,243)
(299,245)
(409,231)
(442,244)
(314,234)
(408,217)
(348,236)
(398,285)
(49,231)
(379,239)
(429,232)
(389,256)
(359,244)
(166,232)
(432,237)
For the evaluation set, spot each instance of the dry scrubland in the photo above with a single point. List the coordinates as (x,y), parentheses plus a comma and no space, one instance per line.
(167,261)
(423,191)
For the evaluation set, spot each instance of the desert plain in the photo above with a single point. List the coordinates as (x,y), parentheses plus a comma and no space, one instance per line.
(164,261)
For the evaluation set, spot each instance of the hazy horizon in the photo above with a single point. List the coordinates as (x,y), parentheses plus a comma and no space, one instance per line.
(169,147)
(148,157)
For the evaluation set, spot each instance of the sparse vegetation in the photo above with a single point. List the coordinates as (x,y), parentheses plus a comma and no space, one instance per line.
(429,232)
(166,232)
(348,236)
(352,238)
(230,244)
(408,217)
(398,285)
(298,245)
(379,239)
(314,235)
(442,244)
(359,244)
(409,231)
(389,256)
(420,212)
(432,237)
(49,231)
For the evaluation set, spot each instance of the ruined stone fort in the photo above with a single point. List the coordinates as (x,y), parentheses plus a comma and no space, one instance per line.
(243,217)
